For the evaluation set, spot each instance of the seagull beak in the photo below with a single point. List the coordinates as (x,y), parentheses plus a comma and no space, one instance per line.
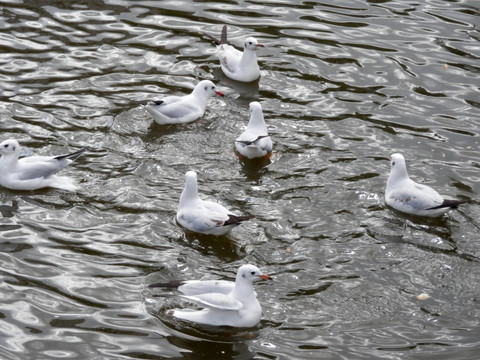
(265,277)
(259,45)
(219,93)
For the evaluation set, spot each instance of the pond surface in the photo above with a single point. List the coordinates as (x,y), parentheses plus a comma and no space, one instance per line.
(344,85)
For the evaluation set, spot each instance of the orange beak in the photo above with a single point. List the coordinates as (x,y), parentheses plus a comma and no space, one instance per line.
(265,277)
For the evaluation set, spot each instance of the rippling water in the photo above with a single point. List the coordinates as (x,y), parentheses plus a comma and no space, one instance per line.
(344,84)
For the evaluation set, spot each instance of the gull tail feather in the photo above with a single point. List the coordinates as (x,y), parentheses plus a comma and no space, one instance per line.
(62,182)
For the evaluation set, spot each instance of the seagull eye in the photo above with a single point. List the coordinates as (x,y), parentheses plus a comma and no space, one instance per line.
(252,272)
(5,146)
(250,42)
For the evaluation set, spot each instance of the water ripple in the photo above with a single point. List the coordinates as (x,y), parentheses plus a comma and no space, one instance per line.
(344,84)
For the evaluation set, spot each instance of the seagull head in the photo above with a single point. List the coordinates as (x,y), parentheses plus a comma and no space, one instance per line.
(10,146)
(206,89)
(251,273)
(398,169)
(190,193)
(256,118)
(255,107)
(252,44)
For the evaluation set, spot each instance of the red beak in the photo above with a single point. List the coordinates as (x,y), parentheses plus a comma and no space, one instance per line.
(265,277)
(219,93)
(260,45)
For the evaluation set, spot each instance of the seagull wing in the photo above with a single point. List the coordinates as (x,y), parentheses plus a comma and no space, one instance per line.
(229,57)
(33,167)
(418,196)
(195,287)
(215,301)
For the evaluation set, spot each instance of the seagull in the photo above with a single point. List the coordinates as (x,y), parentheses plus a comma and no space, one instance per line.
(237,65)
(204,217)
(224,303)
(254,142)
(183,109)
(33,172)
(405,195)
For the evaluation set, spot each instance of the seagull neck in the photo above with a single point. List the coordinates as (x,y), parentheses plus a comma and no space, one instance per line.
(257,122)
(243,289)
(249,58)
(397,175)
(199,96)
(8,160)
(189,193)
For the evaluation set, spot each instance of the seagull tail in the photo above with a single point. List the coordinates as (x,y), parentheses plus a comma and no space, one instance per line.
(62,182)
(73,156)
(235,220)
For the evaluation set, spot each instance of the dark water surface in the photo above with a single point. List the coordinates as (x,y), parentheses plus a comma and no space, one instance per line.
(344,84)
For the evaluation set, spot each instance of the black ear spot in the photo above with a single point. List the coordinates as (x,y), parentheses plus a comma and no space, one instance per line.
(13,148)
(206,88)
(393,163)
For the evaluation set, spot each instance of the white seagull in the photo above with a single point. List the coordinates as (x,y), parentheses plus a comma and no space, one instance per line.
(237,65)
(224,303)
(254,142)
(204,217)
(405,195)
(33,172)
(183,109)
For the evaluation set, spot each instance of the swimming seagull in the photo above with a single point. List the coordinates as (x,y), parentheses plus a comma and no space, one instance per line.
(405,195)
(33,172)
(254,142)
(224,303)
(183,109)
(205,217)
(237,65)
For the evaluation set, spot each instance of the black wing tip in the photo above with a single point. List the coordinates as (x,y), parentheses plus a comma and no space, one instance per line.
(173,284)
(216,41)
(151,102)
(80,152)
(223,38)
(253,141)
(73,156)
(452,204)
(235,220)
